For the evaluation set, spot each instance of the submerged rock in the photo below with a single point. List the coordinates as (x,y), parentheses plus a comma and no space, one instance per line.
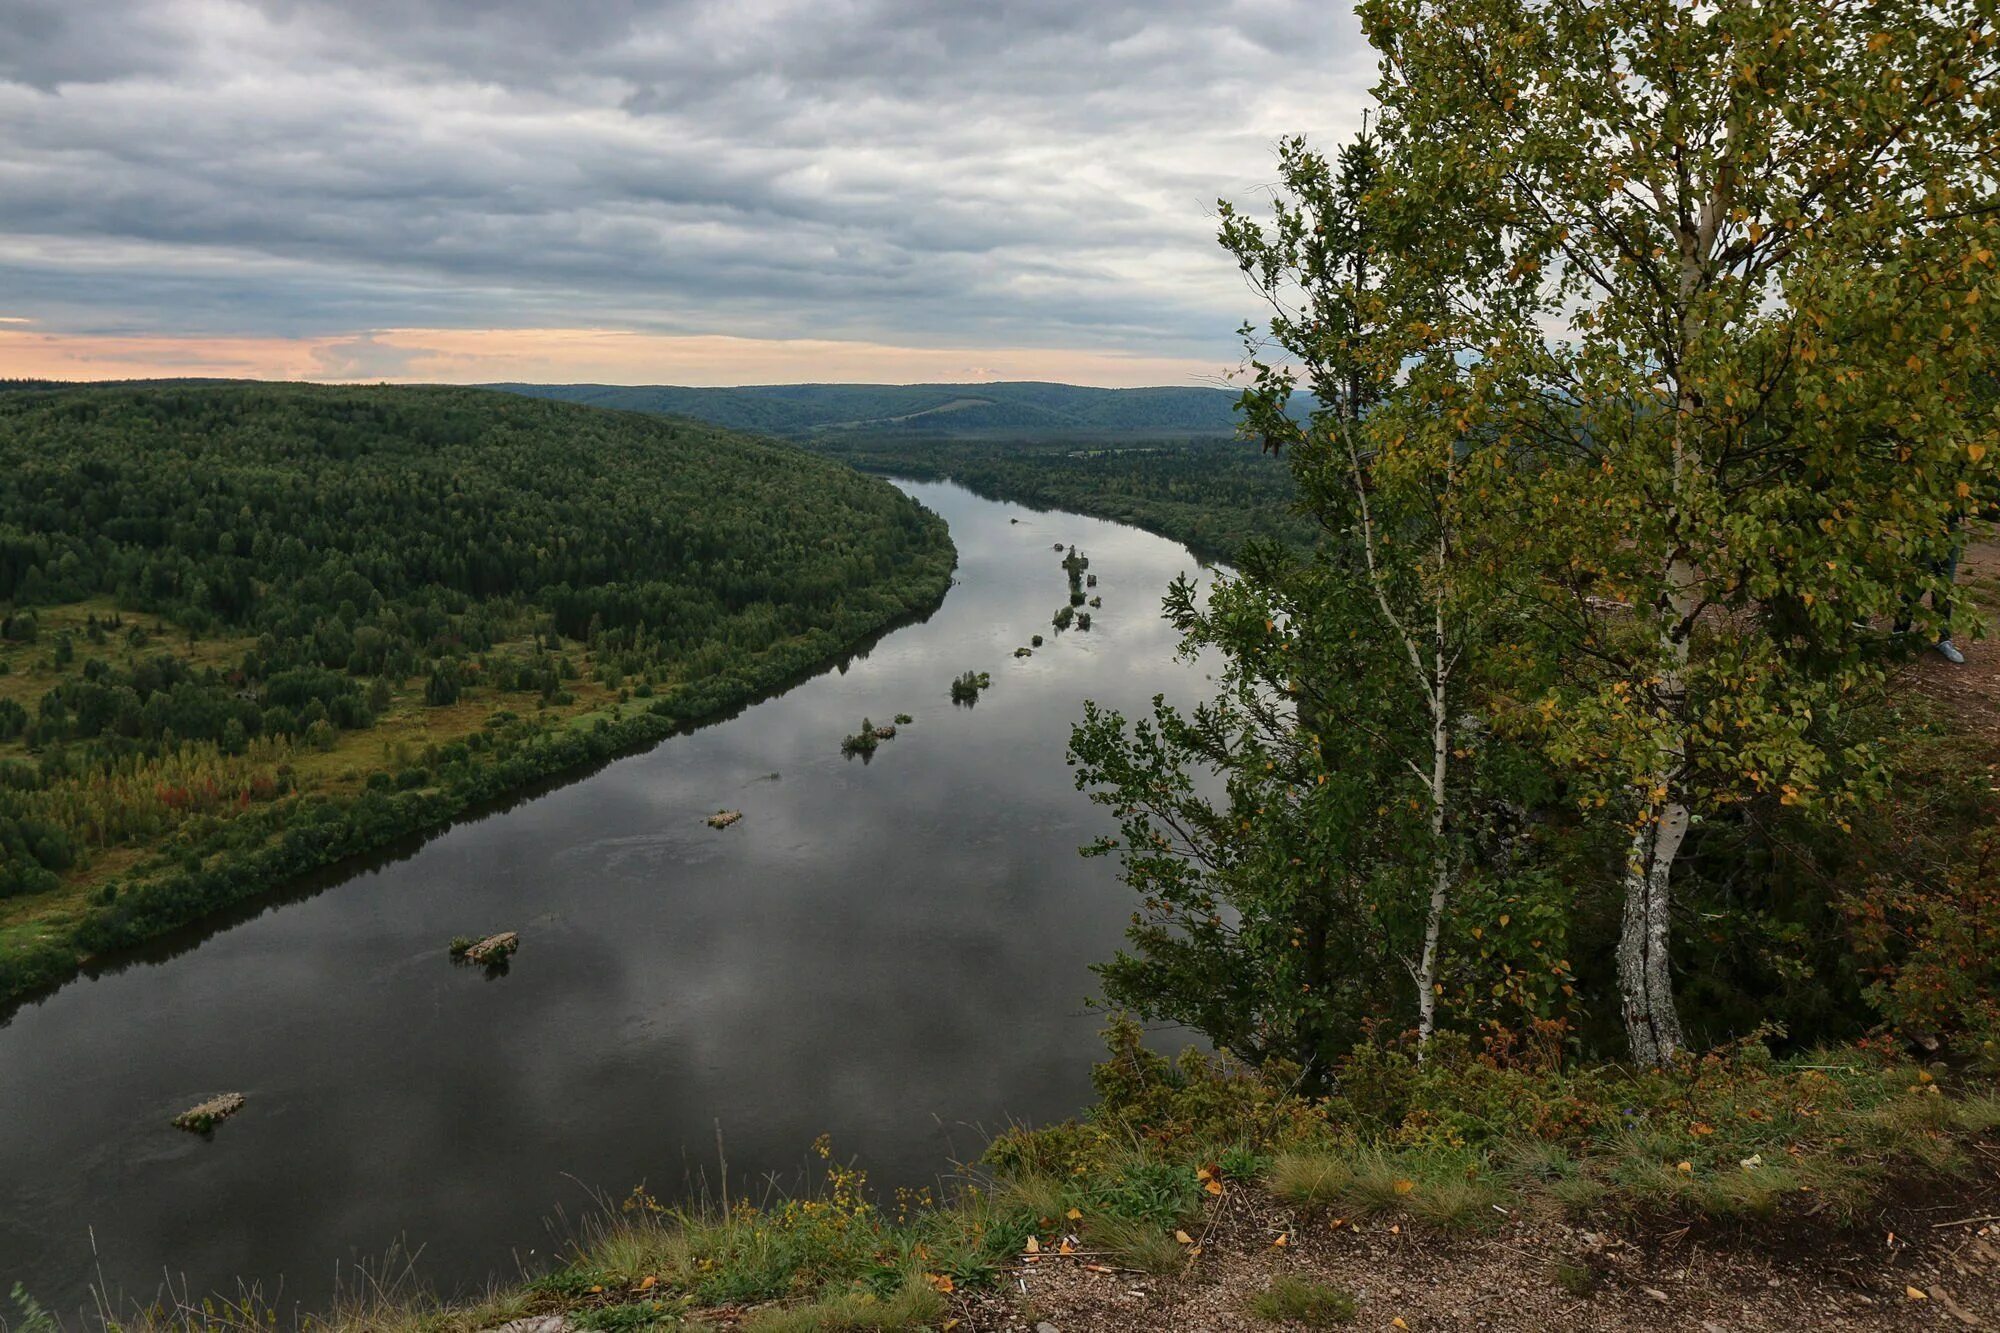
(200,1119)
(724,818)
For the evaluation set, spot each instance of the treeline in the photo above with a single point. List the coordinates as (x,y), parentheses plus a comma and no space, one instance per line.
(1210,495)
(306,560)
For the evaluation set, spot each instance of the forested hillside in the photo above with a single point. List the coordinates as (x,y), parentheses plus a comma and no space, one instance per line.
(248,629)
(1020,408)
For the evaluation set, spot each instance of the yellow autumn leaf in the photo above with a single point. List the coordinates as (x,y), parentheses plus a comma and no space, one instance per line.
(1183,1238)
(1033,1246)
(648,1282)
(1213,1187)
(1686,1168)
(1074,1214)
(1405,1186)
(939,1281)
(1975,452)
(1916,1293)
(1283,1240)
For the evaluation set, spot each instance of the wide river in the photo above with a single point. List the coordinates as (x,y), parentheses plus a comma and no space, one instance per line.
(896,953)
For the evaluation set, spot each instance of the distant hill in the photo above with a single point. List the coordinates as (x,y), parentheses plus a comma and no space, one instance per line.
(1025,408)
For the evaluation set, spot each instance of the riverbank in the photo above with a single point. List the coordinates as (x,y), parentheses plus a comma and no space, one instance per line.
(250,631)
(1210,495)
(438,766)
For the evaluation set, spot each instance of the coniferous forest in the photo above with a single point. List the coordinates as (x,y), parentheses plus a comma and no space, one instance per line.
(257,628)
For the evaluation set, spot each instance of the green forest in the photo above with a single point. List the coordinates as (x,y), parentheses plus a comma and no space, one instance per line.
(250,629)
(1165,460)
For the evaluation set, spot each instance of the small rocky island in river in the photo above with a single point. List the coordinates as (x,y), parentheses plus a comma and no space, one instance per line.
(864,741)
(206,1116)
(487,951)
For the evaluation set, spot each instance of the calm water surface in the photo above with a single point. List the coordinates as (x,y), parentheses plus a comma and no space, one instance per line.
(896,953)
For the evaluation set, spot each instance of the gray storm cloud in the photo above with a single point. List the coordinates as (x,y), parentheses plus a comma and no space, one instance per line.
(1028,174)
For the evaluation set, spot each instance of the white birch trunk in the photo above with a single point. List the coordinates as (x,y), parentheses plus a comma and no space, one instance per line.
(1427,968)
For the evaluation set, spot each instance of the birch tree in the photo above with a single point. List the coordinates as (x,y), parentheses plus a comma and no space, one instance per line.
(1748,253)
(1365,313)
(1297,840)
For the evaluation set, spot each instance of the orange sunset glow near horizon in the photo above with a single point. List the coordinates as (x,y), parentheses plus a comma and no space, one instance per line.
(471,356)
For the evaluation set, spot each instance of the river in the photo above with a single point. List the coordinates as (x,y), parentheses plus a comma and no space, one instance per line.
(895,953)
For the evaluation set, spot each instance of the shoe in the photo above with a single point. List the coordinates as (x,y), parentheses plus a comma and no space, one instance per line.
(1949,652)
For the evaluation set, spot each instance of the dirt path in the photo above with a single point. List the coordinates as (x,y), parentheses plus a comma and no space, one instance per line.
(1972,691)
(1531,1274)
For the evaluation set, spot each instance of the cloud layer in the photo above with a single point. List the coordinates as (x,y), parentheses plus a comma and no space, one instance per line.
(1028,175)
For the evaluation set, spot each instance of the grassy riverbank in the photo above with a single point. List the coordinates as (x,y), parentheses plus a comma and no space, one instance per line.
(248,631)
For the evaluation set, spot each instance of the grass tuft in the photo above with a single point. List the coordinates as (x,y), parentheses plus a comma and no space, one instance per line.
(1578,1279)
(1297,1300)
(912,1305)
(1137,1243)
(1458,1205)
(1314,1179)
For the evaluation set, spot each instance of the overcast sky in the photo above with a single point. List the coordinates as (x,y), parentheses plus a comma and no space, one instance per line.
(679,191)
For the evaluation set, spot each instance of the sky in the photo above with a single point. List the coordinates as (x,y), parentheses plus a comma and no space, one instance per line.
(645,191)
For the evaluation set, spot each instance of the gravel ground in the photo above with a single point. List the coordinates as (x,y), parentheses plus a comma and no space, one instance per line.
(1940,1269)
